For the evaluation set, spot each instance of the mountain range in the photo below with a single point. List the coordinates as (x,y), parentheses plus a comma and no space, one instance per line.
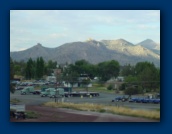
(95,52)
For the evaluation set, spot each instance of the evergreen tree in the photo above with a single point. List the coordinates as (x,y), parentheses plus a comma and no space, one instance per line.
(39,67)
(29,69)
(12,89)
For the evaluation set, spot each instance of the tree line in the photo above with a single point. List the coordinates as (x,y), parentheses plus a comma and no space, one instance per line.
(32,69)
(143,75)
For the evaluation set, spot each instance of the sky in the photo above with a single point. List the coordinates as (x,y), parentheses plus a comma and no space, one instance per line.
(53,28)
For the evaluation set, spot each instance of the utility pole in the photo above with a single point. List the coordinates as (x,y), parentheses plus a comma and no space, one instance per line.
(55,94)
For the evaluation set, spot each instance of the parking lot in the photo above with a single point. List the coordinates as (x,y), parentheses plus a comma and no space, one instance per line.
(104,98)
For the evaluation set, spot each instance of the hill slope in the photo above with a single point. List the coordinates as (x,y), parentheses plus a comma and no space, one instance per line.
(150,44)
(92,51)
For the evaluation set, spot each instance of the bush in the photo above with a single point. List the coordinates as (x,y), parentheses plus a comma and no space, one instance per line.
(122,86)
(110,87)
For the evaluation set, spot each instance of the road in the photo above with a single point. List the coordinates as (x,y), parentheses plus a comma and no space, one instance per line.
(104,99)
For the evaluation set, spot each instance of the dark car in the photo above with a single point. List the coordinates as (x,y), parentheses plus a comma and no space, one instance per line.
(119,98)
(145,100)
(37,92)
(137,100)
(133,99)
(156,101)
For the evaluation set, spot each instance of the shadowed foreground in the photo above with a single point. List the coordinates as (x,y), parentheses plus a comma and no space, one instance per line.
(49,114)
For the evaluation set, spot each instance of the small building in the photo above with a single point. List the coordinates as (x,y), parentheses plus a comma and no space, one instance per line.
(51,78)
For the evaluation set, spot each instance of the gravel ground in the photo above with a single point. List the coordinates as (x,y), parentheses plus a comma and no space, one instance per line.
(49,114)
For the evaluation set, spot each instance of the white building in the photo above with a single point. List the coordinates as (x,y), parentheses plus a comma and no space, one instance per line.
(51,78)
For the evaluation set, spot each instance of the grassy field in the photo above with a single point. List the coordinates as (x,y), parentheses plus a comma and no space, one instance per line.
(107,109)
(14,101)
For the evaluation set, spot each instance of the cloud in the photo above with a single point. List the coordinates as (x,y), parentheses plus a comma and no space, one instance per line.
(145,26)
(57,35)
(55,27)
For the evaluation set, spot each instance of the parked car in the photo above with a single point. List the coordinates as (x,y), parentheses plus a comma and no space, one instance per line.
(150,100)
(22,85)
(117,99)
(137,100)
(132,99)
(37,92)
(46,92)
(145,100)
(156,101)
(120,98)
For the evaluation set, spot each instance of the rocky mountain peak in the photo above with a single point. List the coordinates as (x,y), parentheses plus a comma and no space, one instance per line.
(92,51)
(148,43)
(38,45)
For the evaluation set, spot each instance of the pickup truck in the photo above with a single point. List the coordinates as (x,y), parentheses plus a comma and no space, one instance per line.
(46,92)
(27,90)
(59,92)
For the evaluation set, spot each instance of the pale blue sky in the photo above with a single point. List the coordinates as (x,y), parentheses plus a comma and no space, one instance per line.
(53,28)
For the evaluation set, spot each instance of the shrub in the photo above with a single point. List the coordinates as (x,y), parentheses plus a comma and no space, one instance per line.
(32,114)
(110,87)
(122,86)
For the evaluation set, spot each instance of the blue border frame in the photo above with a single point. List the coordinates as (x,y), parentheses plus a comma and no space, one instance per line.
(166,91)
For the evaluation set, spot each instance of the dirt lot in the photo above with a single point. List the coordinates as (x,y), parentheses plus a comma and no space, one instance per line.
(49,114)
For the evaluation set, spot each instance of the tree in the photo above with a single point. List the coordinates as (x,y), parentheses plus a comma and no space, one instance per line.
(39,67)
(148,75)
(132,90)
(48,69)
(11,69)
(128,70)
(108,69)
(72,78)
(12,89)
(30,73)
(131,79)
(85,83)
(122,86)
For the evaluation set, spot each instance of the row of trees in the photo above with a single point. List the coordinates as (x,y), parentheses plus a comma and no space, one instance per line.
(143,75)
(142,71)
(104,70)
(32,69)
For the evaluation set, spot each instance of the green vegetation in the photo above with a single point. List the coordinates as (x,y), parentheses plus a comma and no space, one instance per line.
(32,114)
(32,69)
(108,109)
(110,87)
(14,101)
(133,90)
(143,75)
